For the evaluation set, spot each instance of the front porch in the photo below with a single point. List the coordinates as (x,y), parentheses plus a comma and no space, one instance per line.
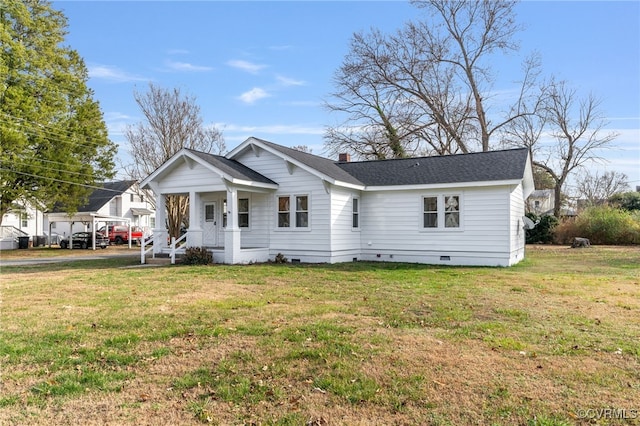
(246,255)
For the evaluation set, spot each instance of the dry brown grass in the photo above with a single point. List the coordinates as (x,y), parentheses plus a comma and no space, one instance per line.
(357,344)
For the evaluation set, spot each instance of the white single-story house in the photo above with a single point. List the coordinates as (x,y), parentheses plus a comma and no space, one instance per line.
(264,199)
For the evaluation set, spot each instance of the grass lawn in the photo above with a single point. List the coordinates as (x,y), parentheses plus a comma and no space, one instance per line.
(554,340)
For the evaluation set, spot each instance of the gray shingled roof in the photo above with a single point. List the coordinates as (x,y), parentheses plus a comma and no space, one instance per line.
(99,197)
(323,165)
(231,167)
(459,168)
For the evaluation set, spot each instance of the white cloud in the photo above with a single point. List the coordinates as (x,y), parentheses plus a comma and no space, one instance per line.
(185,66)
(275,129)
(246,66)
(115,74)
(254,95)
(286,81)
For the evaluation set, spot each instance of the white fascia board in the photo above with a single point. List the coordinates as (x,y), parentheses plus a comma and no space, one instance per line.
(346,185)
(250,183)
(240,148)
(167,165)
(444,185)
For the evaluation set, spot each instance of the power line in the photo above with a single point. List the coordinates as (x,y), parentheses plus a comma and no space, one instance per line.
(62,181)
(47,168)
(37,129)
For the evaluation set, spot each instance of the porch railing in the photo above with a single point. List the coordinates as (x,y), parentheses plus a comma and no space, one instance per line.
(144,253)
(173,247)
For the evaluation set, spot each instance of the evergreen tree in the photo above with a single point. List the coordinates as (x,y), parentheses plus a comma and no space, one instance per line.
(54,144)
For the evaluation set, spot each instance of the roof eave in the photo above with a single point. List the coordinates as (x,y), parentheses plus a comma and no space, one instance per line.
(450,185)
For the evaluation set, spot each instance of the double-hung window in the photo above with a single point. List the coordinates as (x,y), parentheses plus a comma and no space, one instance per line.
(441,211)
(293,211)
(284,212)
(302,211)
(355,213)
(430,212)
(243,212)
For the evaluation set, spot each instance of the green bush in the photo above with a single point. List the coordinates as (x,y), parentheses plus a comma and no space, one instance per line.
(543,231)
(602,225)
(626,200)
(197,256)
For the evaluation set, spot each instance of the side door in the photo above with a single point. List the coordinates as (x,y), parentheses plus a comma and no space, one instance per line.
(210,224)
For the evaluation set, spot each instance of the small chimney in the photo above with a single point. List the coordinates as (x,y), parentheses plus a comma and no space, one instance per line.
(344,157)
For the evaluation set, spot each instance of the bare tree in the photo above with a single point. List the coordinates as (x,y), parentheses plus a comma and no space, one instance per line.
(172,122)
(576,126)
(428,86)
(598,188)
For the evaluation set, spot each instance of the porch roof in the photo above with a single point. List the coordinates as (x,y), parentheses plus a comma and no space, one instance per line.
(228,169)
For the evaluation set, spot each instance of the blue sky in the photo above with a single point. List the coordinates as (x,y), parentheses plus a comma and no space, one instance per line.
(263,68)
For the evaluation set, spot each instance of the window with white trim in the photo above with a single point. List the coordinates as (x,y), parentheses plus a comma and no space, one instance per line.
(243,213)
(302,211)
(284,212)
(451,211)
(430,211)
(441,211)
(293,211)
(355,213)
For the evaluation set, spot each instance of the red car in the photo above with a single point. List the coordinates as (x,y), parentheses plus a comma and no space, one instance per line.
(119,234)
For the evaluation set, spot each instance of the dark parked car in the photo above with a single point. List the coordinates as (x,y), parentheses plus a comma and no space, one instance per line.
(84,240)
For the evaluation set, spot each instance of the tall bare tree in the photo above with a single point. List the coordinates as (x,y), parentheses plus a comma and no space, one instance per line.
(596,188)
(172,122)
(576,127)
(428,86)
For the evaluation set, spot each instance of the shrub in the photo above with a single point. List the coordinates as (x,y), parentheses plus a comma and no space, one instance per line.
(543,231)
(280,258)
(626,200)
(197,256)
(602,225)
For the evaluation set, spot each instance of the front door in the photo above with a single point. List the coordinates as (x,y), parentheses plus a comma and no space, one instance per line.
(210,225)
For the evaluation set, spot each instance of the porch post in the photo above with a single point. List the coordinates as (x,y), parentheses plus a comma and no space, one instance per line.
(232,232)
(160,233)
(194,234)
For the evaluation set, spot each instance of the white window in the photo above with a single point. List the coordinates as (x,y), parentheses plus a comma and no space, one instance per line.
(451,211)
(24,220)
(243,213)
(302,211)
(355,213)
(296,218)
(441,211)
(284,212)
(430,211)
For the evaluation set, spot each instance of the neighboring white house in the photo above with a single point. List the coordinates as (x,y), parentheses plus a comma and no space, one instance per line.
(264,199)
(541,201)
(23,220)
(119,202)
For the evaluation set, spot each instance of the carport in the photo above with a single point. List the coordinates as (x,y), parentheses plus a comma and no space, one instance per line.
(86,218)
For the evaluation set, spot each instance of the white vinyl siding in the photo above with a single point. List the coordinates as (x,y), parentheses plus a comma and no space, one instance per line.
(394,223)
(345,239)
(310,243)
